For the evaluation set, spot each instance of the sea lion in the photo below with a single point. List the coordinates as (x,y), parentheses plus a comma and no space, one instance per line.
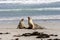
(21,24)
(30,23)
(33,25)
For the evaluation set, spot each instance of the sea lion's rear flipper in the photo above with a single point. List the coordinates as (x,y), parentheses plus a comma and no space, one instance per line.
(38,26)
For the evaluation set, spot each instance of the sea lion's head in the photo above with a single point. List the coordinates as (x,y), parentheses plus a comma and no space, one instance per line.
(22,19)
(28,17)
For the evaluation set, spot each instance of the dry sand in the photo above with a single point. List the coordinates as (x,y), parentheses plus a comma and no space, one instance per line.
(52,28)
(22,31)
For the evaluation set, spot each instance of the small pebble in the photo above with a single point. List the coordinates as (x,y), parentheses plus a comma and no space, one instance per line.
(26,34)
(17,39)
(6,33)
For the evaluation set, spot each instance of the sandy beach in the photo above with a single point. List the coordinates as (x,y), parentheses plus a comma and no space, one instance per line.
(29,19)
(22,31)
(50,29)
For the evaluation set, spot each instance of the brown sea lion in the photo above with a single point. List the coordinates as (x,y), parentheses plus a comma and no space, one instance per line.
(33,25)
(21,24)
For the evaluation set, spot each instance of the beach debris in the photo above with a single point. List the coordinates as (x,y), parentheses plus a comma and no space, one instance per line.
(1,33)
(41,39)
(35,33)
(17,39)
(26,34)
(31,34)
(54,39)
(38,34)
(5,33)
(17,35)
(50,39)
(0,38)
(42,35)
(53,35)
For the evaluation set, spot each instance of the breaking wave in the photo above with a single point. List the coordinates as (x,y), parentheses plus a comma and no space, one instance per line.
(33,17)
(33,9)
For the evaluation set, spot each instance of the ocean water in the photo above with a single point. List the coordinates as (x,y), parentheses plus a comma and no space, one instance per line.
(14,15)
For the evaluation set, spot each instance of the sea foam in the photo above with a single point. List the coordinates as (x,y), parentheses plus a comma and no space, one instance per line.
(33,17)
(33,9)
